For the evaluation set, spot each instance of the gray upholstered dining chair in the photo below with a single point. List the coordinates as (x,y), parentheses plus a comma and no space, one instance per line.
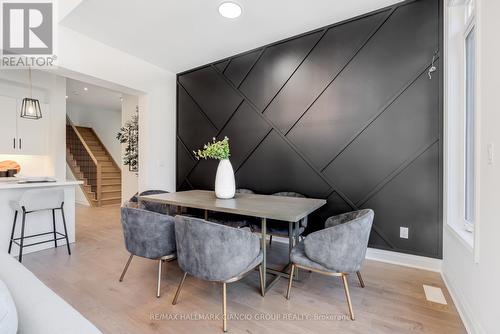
(279,228)
(215,253)
(150,235)
(165,209)
(337,250)
(233,220)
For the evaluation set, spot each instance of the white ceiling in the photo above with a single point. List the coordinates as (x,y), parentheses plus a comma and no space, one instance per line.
(180,34)
(94,97)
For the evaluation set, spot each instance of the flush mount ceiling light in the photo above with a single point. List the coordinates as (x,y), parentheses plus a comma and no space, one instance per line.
(230,10)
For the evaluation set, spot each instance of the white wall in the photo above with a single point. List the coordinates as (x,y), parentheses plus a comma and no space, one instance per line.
(474,284)
(106,124)
(129,179)
(48,88)
(79,195)
(85,59)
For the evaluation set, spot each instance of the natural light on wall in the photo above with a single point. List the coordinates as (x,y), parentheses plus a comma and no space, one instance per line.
(460,111)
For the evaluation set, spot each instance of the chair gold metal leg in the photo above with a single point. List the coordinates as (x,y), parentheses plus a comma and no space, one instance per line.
(126,267)
(361,282)
(224,308)
(264,252)
(347,295)
(297,230)
(158,285)
(290,282)
(261,277)
(179,289)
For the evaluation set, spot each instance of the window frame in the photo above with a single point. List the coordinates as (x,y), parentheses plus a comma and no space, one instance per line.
(470,27)
(459,17)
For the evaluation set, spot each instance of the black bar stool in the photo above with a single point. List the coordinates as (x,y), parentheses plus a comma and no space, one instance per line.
(34,201)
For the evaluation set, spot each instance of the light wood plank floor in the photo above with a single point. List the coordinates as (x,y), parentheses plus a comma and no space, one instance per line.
(392,302)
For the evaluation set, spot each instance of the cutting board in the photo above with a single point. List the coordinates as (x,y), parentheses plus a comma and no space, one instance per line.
(9,164)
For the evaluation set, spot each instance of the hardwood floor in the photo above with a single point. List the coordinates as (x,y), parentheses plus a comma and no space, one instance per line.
(392,302)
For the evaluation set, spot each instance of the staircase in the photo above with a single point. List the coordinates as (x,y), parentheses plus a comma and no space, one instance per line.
(90,162)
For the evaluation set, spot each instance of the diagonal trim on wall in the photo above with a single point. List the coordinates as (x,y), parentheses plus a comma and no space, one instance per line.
(253,65)
(199,107)
(377,115)
(395,173)
(342,69)
(334,188)
(218,134)
(392,77)
(302,156)
(295,70)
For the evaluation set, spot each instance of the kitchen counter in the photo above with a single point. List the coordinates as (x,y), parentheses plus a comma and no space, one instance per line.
(13,184)
(36,222)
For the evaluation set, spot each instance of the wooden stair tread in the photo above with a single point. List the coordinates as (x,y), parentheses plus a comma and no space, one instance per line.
(110,191)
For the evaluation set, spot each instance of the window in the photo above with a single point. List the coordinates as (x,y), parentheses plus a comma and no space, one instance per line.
(460,123)
(470,99)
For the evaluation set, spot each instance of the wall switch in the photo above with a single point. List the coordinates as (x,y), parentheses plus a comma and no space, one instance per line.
(403,232)
(490,154)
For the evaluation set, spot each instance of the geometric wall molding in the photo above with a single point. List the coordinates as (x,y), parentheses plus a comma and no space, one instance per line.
(346,113)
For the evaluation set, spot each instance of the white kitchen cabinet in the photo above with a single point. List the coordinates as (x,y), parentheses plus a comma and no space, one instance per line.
(20,135)
(32,133)
(8,128)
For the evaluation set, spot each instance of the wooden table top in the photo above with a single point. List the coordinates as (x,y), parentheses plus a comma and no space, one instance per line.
(290,209)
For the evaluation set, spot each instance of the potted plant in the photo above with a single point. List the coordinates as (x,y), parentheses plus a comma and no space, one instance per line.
(224,179)
(129,135)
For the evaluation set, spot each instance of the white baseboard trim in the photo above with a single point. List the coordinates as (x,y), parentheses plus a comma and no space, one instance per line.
(424,263)
(464,310)
(402,259)
(82,203)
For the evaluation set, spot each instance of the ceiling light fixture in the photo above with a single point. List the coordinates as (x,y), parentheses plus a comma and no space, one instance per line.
(30,107)
(230,10)
(85,89)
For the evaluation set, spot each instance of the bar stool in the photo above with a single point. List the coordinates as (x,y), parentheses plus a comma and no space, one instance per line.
(35,201)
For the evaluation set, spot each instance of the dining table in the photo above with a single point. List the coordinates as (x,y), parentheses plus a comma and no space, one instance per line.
(287,210)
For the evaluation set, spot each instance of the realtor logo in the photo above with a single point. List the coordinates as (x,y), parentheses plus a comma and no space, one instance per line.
(27,30)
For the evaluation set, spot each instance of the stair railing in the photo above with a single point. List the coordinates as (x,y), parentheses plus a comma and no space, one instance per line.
(87,162)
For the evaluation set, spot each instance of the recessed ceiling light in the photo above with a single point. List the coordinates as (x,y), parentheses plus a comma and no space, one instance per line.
(85,89)
(66,96)
(231,10)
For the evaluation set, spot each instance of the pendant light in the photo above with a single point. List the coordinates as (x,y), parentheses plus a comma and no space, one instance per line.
(30,107)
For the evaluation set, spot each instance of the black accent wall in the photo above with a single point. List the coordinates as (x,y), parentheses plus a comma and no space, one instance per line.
(346,113)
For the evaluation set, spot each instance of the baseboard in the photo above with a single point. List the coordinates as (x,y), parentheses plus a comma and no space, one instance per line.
(402,259)
(82,203)
(464,310)
(425,263)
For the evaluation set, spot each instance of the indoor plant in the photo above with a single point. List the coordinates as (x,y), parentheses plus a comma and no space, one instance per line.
(129,135)
(224,179)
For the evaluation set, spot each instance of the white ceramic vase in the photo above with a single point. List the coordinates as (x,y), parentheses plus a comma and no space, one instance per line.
(224,180)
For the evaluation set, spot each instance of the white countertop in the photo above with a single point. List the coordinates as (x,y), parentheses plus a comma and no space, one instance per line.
(12,183)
